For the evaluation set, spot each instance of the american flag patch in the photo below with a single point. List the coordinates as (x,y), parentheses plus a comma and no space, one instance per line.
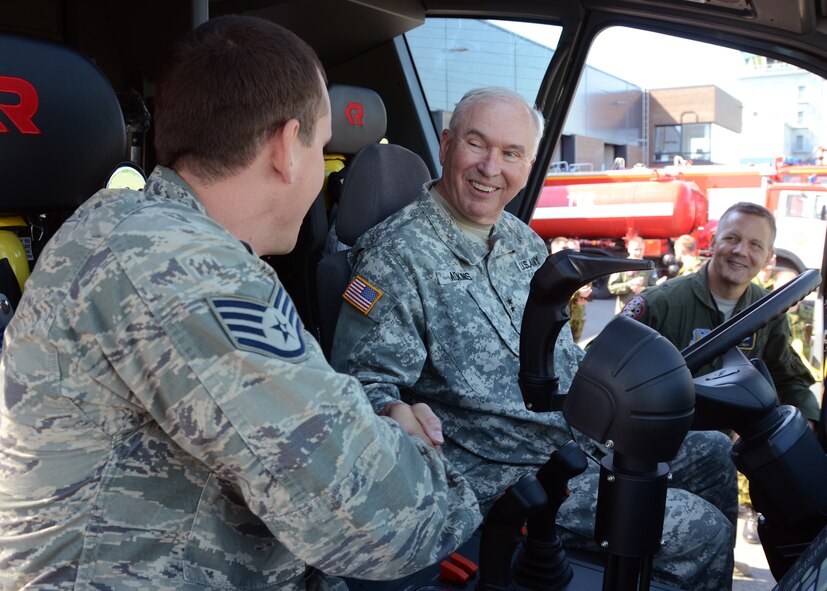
(362,294)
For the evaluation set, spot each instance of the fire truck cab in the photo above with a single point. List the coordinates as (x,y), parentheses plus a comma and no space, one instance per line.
(58,147)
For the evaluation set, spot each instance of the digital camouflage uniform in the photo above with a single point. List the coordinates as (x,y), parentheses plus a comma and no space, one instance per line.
(577,313)
(619,284)
(683,310)
(168,424)
(443,327)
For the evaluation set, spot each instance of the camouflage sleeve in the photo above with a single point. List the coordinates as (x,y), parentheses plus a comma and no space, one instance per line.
(791,377)
(384,346)
(617,284)
(240,386)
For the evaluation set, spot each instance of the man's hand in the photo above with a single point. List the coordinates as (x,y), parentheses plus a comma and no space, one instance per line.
(636,285)
(417,420)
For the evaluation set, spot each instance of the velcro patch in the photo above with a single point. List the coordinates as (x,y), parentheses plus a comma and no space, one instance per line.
(362,295)
(529,264)
(635,307)
(747,345)
(448,277)
(698,334)
(273,330)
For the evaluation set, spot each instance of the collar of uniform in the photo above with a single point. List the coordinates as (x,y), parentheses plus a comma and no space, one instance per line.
(167,184)
(449,232)
(700,285)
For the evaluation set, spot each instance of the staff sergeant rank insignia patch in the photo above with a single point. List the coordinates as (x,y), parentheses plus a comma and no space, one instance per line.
(362,295)
(273,330)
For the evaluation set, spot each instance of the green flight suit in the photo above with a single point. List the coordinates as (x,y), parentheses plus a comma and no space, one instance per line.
(683,310)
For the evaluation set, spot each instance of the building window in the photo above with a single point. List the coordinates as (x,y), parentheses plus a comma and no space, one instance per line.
(690,142)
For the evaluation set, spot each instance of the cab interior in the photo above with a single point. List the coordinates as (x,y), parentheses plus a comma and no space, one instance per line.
(363,48)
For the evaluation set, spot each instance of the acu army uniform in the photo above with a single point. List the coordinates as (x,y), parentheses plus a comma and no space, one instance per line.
(168,424)
(683,310)
(619,284)
(435,317)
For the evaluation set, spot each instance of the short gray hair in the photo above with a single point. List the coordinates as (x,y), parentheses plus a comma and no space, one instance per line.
(498,93)
(755,209)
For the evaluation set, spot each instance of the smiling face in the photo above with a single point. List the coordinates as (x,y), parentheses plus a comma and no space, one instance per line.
(486,158)
(741,246)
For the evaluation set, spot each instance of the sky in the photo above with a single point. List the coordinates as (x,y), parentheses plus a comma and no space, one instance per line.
(648,60)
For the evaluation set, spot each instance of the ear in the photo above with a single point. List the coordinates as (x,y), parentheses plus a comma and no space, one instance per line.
(769,257)
(444,141)
(282,145)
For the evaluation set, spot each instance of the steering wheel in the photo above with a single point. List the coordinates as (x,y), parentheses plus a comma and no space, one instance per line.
(722,338)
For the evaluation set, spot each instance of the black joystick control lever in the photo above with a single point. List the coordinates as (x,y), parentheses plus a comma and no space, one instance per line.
(546,313)
(503,530)
(542,564)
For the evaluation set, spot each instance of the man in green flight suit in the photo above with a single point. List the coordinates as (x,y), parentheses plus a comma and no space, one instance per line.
(686,308)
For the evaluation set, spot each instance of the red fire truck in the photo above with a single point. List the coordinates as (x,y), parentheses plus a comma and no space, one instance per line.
(604,208)
(602,215)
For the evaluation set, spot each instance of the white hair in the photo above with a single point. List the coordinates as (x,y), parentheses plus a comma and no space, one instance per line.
(498,93)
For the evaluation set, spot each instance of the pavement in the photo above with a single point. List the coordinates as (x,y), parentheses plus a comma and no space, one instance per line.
(754,573)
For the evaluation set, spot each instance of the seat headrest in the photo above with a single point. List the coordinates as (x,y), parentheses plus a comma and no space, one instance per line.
(358,118)
(61,127)
(380,179)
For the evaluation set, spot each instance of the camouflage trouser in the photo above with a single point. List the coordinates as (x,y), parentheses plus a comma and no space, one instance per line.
(578,318)
(743,491)
(700,520)
(701,511)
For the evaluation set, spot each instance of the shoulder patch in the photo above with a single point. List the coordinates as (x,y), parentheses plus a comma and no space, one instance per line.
(748,344)
(362,295)
(635,307)
(270,329)
(698,334)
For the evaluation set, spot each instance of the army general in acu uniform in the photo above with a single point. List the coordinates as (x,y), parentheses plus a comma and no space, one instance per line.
(166,421)
(445,282)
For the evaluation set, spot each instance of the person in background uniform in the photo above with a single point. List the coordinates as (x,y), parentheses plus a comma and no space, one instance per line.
(579,299)
(686,252)
(166,421)
(801,322)
(766,275)
(557,244)
(446,280)
(627,284)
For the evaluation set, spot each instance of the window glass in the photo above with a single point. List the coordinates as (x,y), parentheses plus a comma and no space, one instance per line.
(452,56)
(726,123)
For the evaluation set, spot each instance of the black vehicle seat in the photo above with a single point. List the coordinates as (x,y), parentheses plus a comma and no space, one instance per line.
(358,118)
(61,135)
(380,179)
